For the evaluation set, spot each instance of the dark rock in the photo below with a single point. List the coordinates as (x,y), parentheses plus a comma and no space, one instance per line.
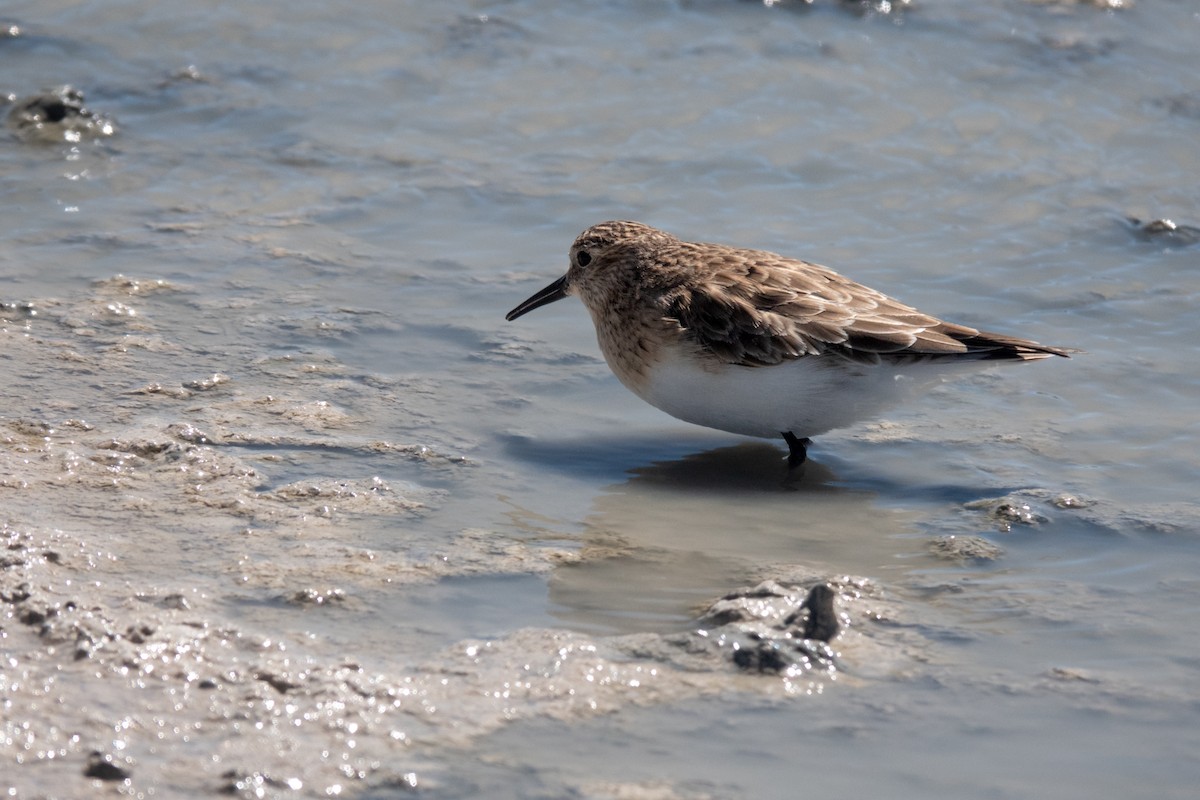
(1165,231)
(17,595)
(822,622)
(761,657)
(104,767)
(31,616)
(58,115)
(249,784)
(277,682)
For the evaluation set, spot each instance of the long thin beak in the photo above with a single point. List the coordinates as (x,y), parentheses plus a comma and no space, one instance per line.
(555,291)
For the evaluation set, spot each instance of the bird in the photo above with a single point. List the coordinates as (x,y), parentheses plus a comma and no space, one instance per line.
(755,343)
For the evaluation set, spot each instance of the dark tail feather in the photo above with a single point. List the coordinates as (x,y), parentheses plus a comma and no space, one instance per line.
(997,347)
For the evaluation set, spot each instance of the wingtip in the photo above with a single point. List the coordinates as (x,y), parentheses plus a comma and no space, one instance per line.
(1045,351)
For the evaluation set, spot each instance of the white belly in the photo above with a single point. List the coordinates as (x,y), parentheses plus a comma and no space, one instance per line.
(806,397)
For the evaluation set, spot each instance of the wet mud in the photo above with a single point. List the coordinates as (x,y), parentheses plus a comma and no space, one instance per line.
(139,517)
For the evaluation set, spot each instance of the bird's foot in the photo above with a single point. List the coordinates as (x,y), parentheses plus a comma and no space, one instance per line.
(797,449)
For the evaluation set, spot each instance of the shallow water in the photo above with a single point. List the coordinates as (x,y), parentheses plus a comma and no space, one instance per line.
(296,512)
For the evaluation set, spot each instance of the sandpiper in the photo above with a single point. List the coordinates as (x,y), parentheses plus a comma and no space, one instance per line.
(754,343)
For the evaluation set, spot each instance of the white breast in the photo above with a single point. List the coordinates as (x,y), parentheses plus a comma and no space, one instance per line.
(806,397)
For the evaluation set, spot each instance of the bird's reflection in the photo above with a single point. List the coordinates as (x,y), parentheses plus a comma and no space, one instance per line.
(748,465)
(668,537)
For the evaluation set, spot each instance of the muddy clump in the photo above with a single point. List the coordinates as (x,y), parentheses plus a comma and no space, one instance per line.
(1165,231)
(58,115)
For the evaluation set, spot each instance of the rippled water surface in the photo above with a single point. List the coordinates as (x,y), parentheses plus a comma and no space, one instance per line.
(290,510)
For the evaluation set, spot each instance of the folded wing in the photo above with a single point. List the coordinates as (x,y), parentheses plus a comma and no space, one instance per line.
(758,309)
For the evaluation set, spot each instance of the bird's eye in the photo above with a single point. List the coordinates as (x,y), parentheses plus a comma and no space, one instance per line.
(583,258)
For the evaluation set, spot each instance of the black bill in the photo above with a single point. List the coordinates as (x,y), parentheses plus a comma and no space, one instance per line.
(555,291)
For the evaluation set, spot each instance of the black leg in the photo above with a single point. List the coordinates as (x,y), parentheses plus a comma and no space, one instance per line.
(797,449)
